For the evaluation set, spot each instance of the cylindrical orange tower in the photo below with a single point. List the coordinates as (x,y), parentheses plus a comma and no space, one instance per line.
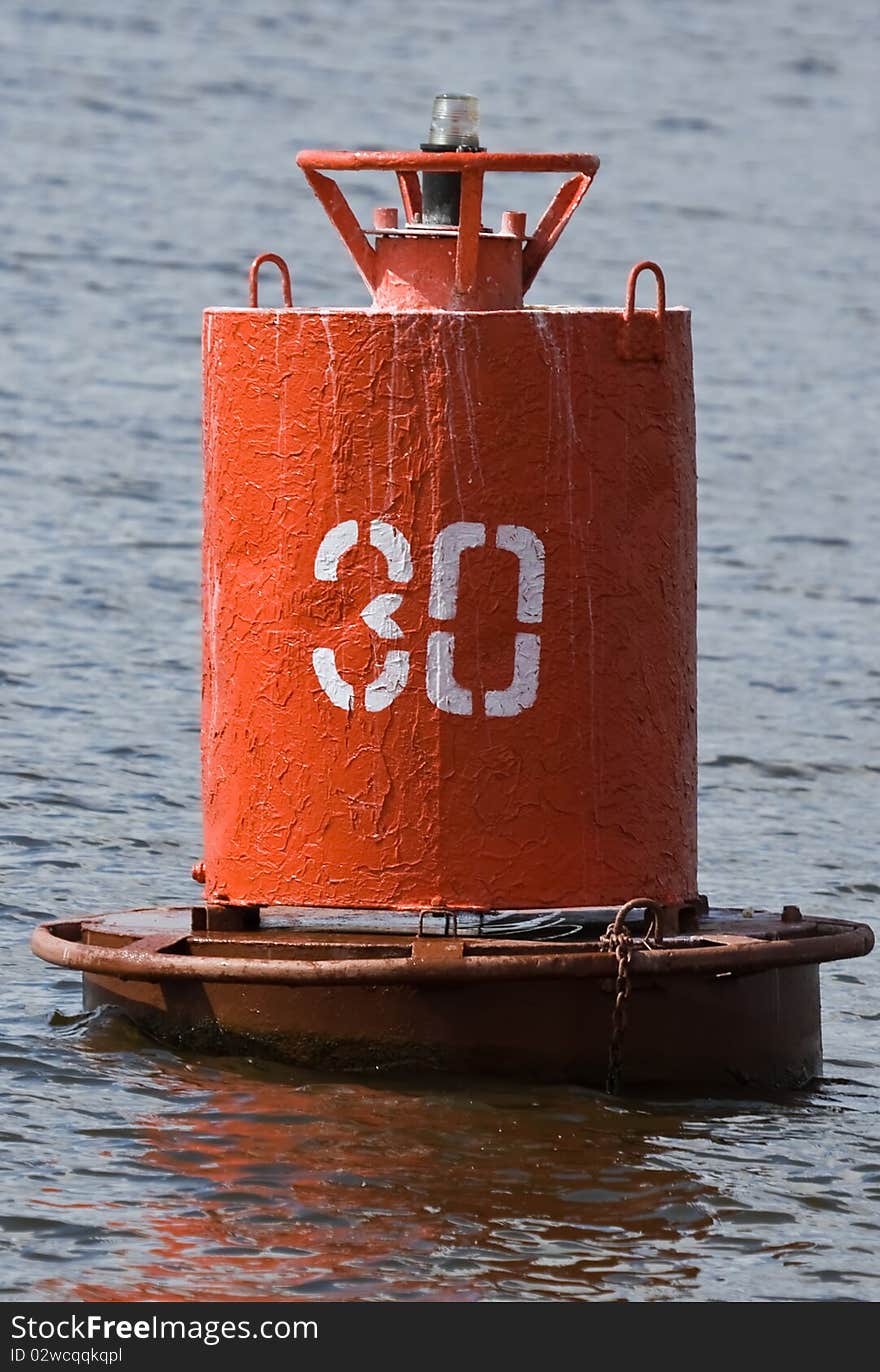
(449,576)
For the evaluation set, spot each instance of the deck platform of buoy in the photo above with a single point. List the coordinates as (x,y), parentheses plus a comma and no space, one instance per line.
(729,999)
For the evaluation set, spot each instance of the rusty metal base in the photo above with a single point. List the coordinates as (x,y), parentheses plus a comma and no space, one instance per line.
(735,1004)
(760,1030)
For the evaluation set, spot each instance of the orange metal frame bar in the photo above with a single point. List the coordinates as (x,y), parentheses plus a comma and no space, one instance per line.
(473,166)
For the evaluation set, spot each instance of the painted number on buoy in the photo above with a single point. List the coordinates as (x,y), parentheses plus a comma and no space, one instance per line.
(378,615)
(443,689)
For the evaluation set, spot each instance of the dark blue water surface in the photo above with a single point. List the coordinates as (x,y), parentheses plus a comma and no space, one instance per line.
(148,155)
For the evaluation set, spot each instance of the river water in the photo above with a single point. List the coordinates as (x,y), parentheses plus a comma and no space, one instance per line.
(149,157)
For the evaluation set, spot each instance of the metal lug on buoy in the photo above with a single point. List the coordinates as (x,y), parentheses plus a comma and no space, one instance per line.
(225,918)
(385,217)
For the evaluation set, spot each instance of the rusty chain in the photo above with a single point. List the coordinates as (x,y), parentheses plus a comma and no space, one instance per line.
(617,939)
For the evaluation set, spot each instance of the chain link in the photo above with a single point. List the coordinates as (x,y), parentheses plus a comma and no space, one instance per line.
(617,939)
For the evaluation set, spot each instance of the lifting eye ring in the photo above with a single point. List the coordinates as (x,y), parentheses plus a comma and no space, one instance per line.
(253,278)
(629,308)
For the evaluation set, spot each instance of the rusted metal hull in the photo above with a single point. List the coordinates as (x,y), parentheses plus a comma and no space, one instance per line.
(760,1029)
(719,1009)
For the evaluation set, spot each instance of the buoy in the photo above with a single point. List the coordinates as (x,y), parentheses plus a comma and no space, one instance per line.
(449,704)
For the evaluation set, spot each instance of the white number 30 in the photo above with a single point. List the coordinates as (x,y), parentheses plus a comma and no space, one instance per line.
(443,689)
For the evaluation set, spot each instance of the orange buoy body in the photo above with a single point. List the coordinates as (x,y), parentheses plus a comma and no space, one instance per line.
(449,633)
(449,719)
